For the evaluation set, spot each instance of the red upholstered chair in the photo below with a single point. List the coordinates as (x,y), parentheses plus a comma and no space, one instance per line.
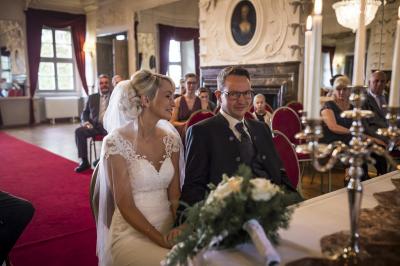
(297,107)
(288,157)
(249,115)
(198,116)
(267,108)
(92,145)
(285,120)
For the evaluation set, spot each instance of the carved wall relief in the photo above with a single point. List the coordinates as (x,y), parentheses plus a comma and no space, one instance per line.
(147,51)
(12,37)
(270,42)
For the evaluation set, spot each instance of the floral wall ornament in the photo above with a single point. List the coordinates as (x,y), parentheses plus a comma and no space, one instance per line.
(12,37)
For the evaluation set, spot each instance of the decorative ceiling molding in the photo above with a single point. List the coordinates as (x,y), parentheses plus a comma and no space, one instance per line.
(70,6)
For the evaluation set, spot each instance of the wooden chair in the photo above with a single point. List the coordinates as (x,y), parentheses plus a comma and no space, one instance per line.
(92,146)
(93,194)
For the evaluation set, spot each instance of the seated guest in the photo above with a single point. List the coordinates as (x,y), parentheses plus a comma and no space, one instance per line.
(186,104)
(376,99)
(220,144)
(206,104)
(115,80)
(259,110)
(15,214)
(92,121)
(336,128)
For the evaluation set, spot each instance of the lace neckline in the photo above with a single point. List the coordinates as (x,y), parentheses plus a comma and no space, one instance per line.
(132,153)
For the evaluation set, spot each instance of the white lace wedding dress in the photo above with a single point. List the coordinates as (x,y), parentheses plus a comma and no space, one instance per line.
(149,190)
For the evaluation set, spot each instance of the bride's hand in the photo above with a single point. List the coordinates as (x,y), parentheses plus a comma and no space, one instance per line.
(165,242)
(174,233)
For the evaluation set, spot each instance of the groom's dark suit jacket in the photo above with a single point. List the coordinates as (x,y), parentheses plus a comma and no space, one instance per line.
(212,150)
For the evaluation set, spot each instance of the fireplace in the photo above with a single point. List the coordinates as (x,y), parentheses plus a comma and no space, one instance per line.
(277,81)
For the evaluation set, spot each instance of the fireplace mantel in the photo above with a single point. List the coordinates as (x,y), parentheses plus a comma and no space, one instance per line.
(277,81)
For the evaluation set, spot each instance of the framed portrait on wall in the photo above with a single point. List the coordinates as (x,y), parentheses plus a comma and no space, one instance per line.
(243,22)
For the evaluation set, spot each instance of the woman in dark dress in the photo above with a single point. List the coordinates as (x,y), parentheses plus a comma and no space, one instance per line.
(336,128)
(186,104)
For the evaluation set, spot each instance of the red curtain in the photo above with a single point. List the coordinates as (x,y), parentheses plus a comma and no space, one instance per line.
(35,20)
(167,33)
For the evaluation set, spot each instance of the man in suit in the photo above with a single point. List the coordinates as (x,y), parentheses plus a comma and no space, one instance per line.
(374,102)
(92,120)
(220,144)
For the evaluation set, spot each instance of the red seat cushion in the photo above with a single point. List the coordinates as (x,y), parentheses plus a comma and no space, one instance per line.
(99,137)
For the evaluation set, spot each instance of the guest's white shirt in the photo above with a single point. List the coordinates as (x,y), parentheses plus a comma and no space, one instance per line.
(232,123)
(104,99)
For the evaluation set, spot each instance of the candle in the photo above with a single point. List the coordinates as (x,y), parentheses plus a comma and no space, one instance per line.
(307,61)
(359,53)
(313,106)
(394,99)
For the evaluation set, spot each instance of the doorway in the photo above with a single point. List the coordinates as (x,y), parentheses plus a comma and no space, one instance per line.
(112,55)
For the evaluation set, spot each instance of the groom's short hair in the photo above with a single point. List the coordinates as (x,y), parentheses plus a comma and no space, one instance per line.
(228,71)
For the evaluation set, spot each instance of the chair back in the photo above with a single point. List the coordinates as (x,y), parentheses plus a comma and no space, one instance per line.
(297,107)
(267,108)
(249,115)
(288,157)
(286,121)
(198,116)
(94,194)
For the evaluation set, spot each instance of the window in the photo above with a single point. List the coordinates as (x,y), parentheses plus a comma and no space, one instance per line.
(326,70)
(56,69)
(6,68)
(175,61)
(181,60)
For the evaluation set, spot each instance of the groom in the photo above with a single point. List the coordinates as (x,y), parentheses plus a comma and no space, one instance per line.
(220,144)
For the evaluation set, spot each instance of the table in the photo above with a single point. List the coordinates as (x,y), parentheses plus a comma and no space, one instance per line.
(311,220)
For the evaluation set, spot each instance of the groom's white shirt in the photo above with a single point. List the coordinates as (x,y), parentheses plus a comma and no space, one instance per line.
(232,123)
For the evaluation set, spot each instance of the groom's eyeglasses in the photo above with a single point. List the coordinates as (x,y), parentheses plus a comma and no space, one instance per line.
(235,95)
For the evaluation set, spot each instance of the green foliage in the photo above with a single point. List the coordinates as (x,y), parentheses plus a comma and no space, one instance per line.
(218,223)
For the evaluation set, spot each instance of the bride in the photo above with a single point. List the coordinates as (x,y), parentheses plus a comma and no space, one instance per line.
(139,176)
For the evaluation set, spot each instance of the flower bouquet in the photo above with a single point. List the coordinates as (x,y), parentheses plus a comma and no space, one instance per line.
(218,222)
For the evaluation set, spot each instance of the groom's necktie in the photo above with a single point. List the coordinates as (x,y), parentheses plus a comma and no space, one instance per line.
(246,148)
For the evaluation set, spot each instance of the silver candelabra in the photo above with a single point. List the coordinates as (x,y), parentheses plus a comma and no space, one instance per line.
(354,155)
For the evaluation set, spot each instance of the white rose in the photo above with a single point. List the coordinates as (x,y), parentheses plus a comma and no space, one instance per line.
(224,189)
(263,189)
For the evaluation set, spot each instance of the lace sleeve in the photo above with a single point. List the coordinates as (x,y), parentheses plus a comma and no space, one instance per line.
(171,144)
(116,144)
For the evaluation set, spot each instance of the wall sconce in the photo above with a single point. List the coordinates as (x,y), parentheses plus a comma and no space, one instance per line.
(89,48)
(295,48)
(306,5)
(295,26)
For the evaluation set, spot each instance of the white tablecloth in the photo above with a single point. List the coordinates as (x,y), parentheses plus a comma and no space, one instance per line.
(311,220)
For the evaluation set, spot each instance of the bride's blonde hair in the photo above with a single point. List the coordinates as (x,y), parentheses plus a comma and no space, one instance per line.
(143,82)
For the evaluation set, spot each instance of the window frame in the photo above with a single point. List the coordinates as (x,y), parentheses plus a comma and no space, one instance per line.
(6,70)
(56,60)
(176,63)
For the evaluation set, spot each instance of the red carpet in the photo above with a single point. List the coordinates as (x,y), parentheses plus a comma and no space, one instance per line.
(62,231)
